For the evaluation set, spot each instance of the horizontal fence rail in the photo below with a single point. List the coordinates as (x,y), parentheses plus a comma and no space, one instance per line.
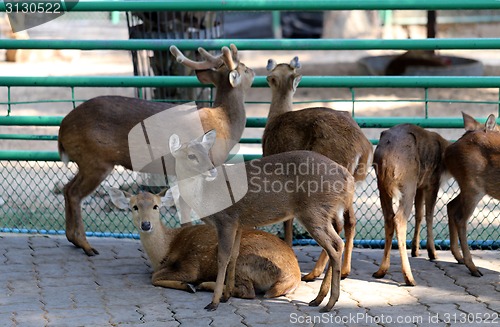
(260,44)
(259,81)
(259,5)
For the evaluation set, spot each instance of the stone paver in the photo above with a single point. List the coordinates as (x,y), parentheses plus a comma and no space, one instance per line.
(45,281)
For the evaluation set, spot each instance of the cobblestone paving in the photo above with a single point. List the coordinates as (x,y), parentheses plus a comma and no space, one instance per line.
(45,281)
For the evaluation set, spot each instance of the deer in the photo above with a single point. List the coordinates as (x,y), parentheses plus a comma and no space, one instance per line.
(474,161)
(185,258)
(95,134)
(409,164)
(303,184)
(334,134)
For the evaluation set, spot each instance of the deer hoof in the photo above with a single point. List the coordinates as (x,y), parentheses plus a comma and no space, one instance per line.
(190,288)
(379,274)
(91,252)
(314,303)
(476,273)
(410,282)
(211,306)
(308,278)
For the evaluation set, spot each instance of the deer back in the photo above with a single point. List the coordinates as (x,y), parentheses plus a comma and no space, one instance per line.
(408,152)
(329,132)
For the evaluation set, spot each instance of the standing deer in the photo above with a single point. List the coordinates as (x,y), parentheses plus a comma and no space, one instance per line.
(303,184)
(188,255)
(409,163)
(474,162)
(95,134)
(329,132)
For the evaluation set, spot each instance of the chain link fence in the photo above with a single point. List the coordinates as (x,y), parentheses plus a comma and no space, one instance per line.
(32,202)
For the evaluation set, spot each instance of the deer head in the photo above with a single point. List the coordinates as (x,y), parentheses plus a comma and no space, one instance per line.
(277,73)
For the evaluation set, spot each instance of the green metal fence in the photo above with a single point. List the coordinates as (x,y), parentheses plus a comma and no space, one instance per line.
(31,181)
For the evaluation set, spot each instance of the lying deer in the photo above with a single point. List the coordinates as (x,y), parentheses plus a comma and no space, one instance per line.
(474,162)
(95,134)
(315,189)
(329,132)
(409,162)
(185,256)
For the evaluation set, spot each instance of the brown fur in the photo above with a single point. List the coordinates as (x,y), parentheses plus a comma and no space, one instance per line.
(188,255)
(332,133)
(95,136)
(474,162)
(318,212)
(409,162)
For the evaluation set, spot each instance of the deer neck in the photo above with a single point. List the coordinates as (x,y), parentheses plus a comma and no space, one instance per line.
(231,104)
(281,103)
(157,244)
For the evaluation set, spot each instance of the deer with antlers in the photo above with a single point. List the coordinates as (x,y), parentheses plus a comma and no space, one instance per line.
(95,134)
(474,162)
(332,133)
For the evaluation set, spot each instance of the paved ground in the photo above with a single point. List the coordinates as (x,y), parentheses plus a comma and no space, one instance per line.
(45,281)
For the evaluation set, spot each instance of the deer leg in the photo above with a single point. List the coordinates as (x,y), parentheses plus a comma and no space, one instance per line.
(388,212)
(327,237)
(430,203)
(473,197)
(323,290)
(419,214)
(318,268)
(400,222)
(453,209)
(226,236)
(349,231)
(231,270)
(288,228)
(85,181)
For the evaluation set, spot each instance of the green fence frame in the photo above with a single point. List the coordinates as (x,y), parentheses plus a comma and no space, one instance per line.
(269,44)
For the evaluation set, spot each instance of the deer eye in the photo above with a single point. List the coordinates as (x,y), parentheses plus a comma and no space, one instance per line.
(155,207)
(135,208)
(192,157)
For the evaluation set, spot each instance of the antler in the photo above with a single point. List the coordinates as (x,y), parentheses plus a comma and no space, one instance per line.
(209,62)
(230,57)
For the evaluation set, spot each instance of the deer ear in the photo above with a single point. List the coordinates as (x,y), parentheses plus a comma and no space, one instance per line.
(208,139)
(234,78)
(119,198)
(206,76)
(271,64)
(470,124)
(491,124)
(174,143)
(296,80)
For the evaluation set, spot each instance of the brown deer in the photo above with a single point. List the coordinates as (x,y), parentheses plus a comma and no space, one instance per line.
(186,257)
(409,163)
(95,134)
(474,162)
(303,184)
(332,133)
